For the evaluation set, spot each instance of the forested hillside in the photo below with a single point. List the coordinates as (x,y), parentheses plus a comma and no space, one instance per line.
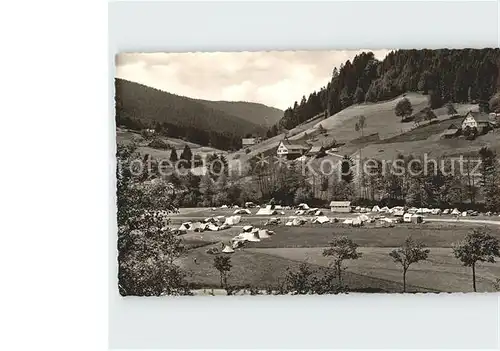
(139,106)
(249,111)
(446,75)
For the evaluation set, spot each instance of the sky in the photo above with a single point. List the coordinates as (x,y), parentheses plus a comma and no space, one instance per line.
(273,78)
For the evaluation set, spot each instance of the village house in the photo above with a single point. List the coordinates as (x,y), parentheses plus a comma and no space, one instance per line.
(478,120)
(291,149)
(451,132)
(340,206)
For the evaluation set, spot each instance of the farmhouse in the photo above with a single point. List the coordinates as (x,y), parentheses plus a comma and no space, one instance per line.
(477,120)
(340,206)
(451,132)
(291,150)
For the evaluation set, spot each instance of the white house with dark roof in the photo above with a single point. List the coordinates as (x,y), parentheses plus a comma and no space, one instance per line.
(476,120)
(291,149)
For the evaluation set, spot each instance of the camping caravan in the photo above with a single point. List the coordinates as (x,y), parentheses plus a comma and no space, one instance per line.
(407,217)
(340,206)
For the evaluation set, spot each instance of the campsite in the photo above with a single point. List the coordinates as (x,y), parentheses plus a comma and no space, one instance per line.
(261,263)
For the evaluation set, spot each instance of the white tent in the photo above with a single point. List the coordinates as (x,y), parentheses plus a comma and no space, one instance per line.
(298,221)
(263,234)
(398,213)
(266,212)
(385,209)
(236,206)
(254,237)
(278,207)
(228,249)
(436,211)
(446,211)
(212,227)
(223,206)
(321,220)
(273,221)
(356,222)
(318,213)
(247,228)
(186,226)
(376,209)
(242,211)
(303,206)
(363,218)
(213,208)
(289,223)
(347,221)
(196,226)
(232,220)
(455,212)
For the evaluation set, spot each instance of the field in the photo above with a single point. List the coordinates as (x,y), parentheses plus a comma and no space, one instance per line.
(263,264)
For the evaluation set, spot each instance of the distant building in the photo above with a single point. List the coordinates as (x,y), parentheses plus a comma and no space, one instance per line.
(292,149)
(315,150)
(477,120)
(246,142)
(340,206)
(451,132)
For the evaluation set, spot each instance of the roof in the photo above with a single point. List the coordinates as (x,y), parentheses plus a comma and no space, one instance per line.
(315,149)
(340,203)
(479,116)
(295,146)
(450,131)
(248,141)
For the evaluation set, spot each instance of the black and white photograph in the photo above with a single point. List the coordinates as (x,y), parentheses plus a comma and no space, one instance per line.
(308,172)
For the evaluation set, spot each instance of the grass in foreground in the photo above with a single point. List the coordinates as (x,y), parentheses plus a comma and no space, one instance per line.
(262,270)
